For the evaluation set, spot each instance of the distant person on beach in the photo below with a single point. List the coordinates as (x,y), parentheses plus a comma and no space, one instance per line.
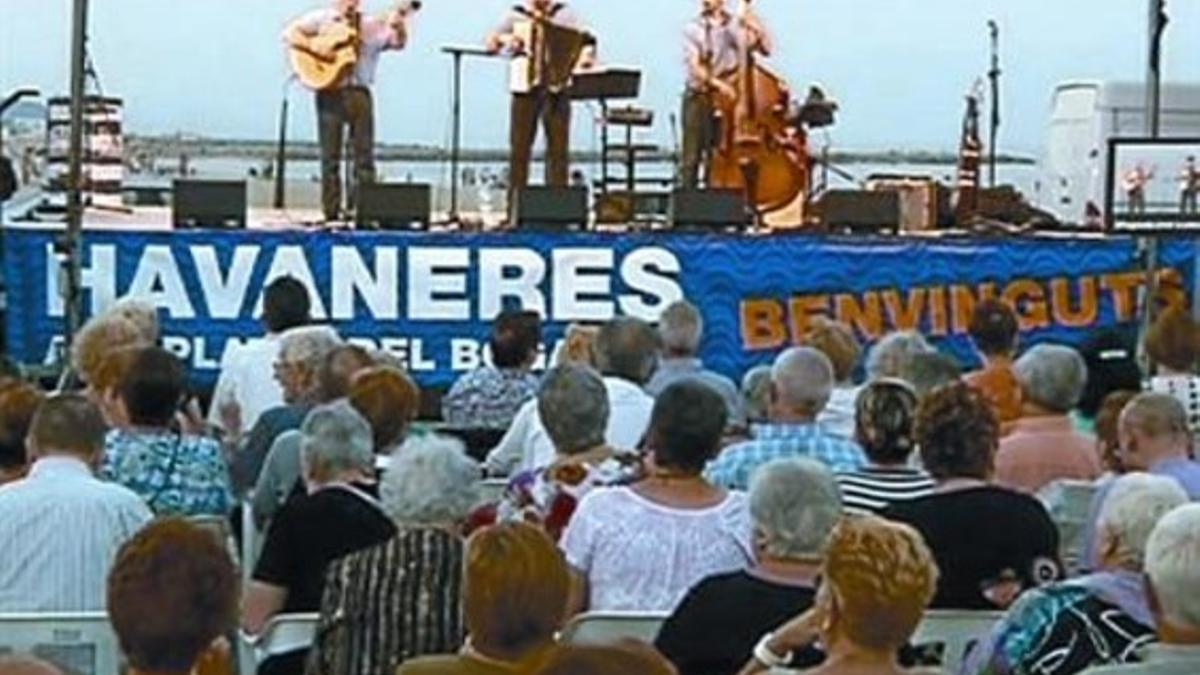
(1189,186)
(348,102)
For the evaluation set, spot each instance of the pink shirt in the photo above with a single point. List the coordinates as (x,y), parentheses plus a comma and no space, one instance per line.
(1041,450)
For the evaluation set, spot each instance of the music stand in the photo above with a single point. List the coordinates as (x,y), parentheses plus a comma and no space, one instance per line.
(603,85)
(458,52)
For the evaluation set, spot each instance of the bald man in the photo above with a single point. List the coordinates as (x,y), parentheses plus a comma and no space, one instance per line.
(1154,437)
(801,383)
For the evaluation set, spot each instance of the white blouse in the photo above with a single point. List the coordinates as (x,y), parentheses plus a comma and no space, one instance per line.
(639,555)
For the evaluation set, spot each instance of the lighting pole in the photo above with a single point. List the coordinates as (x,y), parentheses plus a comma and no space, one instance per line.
(1158,26)
(994,76)
(71,244)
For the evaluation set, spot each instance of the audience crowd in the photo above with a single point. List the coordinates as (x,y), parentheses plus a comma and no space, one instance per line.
(812,518)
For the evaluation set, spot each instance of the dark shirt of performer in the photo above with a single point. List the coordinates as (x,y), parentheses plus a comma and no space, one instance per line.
(539,103)
(349,102)
(713,48)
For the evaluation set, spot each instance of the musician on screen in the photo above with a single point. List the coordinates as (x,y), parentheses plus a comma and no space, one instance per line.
(335,51)
(543,56)
(714,45)
(1134,183)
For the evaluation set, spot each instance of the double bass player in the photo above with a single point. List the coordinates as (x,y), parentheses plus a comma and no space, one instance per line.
(714,45)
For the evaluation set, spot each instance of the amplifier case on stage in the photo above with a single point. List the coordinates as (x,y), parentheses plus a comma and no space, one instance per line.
(550,208)
(213,204)
(708,209)
(394,206)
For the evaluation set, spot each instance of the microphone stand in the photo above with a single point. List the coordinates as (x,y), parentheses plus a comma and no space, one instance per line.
(994,76)
(458,52)
(281,151)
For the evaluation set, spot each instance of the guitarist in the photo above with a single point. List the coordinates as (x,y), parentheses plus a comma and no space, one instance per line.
(348,103)
(713,45)
(550,106)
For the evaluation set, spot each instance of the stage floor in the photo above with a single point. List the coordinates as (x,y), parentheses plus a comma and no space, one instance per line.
(158,219)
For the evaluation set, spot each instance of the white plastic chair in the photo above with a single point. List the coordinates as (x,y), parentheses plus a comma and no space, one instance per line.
(602,628)
(80,642)
(956,630)
(251,541)
(283,633)
(491,489)
(1069,504)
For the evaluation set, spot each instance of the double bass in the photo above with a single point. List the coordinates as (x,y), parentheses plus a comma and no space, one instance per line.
(760,151)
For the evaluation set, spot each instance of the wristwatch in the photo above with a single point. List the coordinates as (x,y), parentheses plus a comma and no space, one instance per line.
(764,655)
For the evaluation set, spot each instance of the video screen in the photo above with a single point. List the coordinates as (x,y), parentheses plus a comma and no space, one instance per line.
(1154,184)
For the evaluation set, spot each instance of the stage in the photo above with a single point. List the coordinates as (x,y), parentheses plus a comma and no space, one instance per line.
(429,296)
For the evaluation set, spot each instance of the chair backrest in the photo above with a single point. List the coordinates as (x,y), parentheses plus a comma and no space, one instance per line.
(81,643)
(955,632)
(252,541)
(1069,504)
(478,442)
(601,628)
(491,489)
(284,633)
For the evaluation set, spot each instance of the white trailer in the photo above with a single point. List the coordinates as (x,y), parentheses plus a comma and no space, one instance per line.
(1084,116)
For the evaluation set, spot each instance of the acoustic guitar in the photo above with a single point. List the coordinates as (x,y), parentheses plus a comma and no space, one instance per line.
(333,52)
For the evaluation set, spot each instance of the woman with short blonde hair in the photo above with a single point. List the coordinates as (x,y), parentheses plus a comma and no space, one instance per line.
(515,592)
(879,577)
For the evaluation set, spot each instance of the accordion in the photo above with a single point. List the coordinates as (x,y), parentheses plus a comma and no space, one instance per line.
(550,56)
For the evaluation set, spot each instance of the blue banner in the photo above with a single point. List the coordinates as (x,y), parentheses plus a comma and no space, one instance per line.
(429,298)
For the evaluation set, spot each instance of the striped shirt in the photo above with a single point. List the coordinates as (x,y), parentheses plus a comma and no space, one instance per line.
(874,488)
(390,603)
(61,528)
(734,466)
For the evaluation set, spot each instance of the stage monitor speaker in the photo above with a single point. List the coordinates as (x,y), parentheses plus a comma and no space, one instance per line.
(550,208)
(860,210)
(708,209)
(394,206)
(214,204)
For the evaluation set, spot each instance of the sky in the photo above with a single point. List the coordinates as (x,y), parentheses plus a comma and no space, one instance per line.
(898,68)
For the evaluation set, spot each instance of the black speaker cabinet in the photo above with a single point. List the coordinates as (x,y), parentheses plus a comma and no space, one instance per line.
(394,206)
(214,204)
(553,208)
(860,209)
(708,209)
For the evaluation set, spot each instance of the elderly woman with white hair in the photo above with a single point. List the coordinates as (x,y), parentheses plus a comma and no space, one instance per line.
(890,356)
(573,406)
(1173,575)
(1043,445)
(401,599)
(794,504)
(1102,618)
(339,514)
